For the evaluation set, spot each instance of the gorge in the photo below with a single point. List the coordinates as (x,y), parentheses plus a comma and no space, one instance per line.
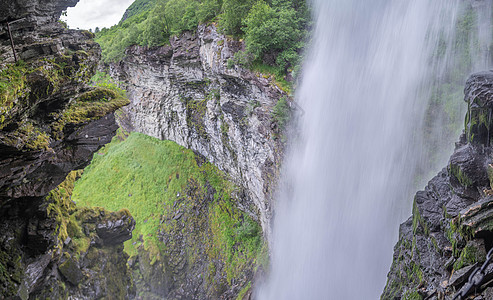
(167,170)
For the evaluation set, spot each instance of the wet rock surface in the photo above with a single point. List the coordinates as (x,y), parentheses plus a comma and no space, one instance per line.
(451,231)
(46,249)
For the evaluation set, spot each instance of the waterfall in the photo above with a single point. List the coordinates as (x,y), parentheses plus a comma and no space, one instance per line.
(369,77)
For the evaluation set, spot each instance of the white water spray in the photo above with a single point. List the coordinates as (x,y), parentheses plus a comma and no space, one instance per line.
(350,177)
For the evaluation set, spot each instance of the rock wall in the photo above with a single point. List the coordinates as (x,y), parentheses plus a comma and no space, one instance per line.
(451,229)
(51,123)
(186,93)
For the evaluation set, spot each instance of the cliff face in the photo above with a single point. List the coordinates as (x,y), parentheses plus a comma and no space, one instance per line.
(451,231)
(51,123)
(186,93)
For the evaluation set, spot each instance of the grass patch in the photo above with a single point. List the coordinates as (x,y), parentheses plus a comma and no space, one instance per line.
(12,86)
(277,74)
(149,177)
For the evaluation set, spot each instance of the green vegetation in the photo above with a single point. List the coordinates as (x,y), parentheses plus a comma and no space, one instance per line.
(446,109)
(274,30)
(103,80)
(277,28)
(12,86)
(91,105)
(418,220)
(411,295)
(94,104)
(137,7)
(161,184)
(74,236)
(281,113)
(60,207)
(23,85)
(468,256)
(244,291)
(457,172)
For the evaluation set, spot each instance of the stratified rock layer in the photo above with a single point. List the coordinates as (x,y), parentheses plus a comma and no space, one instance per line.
(451,229)
(51,123)
(186,93)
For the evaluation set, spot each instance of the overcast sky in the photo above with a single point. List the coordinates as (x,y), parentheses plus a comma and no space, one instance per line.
(89,14)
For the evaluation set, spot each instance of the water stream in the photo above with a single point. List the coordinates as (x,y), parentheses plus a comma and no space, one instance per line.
(349,178)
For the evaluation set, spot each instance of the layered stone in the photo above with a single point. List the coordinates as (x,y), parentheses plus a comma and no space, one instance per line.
(186,93)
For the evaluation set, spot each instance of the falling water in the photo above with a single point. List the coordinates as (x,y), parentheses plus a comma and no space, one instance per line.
(350,176)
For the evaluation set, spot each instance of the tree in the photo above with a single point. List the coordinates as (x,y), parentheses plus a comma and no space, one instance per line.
(234,11)
(278,30)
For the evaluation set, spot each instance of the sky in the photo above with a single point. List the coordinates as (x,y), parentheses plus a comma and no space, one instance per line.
(89,14)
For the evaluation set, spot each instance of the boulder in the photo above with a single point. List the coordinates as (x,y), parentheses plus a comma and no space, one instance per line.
(71,271)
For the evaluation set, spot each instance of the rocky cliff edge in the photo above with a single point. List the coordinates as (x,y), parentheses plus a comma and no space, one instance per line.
(444,246)
(192,93)
(51,122)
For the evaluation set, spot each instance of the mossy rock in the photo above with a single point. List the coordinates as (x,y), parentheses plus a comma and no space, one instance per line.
(70,270)
(473,252)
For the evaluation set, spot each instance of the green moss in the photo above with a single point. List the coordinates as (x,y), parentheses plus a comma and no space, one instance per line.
(281,113)
(174,194)
(103,80)
(411,295)
(244,291)
(435,244)
(89,106)
(60,206)
(468,256)
(490,174)
(71,271)
(196,111)
(99,94)
(225,130)
(27,137)
(418,220)
(225,139)
(457,172)
(12,87)
(11,270)
(235,236)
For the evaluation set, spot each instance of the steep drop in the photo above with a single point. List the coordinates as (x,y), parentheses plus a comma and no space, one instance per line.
(349,177)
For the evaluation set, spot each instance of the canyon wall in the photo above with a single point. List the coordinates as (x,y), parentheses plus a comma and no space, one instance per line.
(51,122)
(192,93)
(451,231)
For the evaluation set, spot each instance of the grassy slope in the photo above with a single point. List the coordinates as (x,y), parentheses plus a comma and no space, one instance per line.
(147,176)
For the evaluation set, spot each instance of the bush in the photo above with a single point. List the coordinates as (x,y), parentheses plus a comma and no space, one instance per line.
(274,27)
(278,30)
(281,113)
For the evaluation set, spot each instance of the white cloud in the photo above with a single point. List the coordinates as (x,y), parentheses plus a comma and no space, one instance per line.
(89,14)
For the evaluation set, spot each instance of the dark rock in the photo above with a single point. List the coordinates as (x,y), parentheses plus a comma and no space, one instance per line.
(456,204)
(469,166)
(488,293)
(452,218)
(116,229)
(479,117)
(479,89)
(477,219)
(450,263)
(35,270)
(38,149)
(461,275)
(71,271)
